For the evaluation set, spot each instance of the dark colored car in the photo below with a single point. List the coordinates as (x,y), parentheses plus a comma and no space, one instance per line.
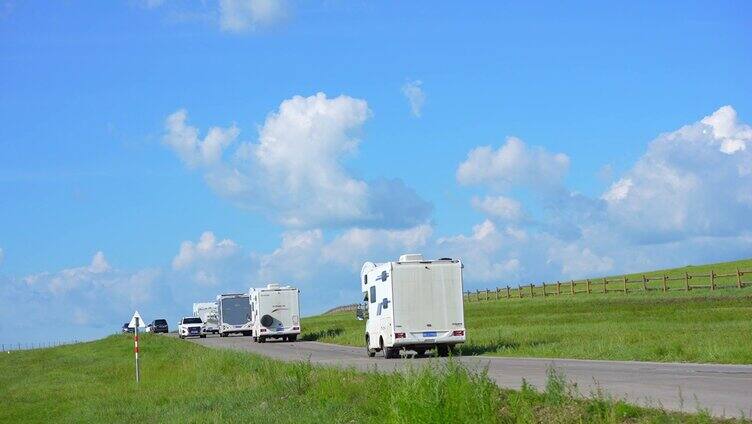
(159,326)
(126,329)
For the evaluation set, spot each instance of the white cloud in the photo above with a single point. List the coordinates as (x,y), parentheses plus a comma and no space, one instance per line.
(513,164)
(356,245)
(688,199)
(691,182)
(295,172)
(500,207)
(413,91)
(208,261)
(71,278)
(207,248)
(575,260)
(245,15)
(726,129)
(185,141)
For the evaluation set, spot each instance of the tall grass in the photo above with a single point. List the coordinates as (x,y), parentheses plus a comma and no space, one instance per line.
(183,382)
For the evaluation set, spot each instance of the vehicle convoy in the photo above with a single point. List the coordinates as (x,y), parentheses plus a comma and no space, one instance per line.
(207,311)
(413,304)
(191,327)
(158,326)
(275,313)
(234,314)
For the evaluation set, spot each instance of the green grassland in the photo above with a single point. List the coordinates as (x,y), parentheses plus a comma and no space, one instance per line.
(183,382)
(673,326)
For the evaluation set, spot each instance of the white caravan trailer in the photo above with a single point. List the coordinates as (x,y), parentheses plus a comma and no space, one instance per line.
(234,314)
(275,313)
(207,311)
(413,304)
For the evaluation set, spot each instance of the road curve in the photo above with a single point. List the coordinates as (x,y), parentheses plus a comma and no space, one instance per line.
(724,390)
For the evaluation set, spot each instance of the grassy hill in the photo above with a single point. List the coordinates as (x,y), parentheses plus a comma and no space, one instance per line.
(183,382)
(674,326)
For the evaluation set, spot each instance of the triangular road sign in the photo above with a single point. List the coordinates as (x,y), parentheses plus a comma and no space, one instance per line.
(132,324)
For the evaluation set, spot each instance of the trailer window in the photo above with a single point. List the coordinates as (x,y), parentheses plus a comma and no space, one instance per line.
(372,294)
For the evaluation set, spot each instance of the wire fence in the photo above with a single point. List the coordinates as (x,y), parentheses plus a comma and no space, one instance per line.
(8,347)
(626,284)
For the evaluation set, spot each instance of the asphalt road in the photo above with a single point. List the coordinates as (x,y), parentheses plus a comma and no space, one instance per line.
(724,390)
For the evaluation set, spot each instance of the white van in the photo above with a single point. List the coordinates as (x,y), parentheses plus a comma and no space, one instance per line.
(275,313)
(207,311)
(413,304)
(234,314)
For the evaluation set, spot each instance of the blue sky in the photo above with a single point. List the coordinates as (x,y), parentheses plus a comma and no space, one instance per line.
(629,147)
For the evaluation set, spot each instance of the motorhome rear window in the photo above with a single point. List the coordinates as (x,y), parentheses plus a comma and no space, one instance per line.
(192,321)
(236,310)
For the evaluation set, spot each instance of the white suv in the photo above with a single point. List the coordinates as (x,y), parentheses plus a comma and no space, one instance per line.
(191,327)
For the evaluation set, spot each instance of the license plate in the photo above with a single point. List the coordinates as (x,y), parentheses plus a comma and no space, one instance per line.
(429,334)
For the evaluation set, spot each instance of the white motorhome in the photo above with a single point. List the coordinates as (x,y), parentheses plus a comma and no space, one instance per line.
(209,315)
(413,304)
(234,314)
(275,313)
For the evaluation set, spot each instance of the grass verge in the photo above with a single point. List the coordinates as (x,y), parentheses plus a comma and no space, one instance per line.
(184,382)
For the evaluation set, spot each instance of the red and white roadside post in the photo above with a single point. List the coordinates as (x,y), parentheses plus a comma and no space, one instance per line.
(135,323)
(135,349)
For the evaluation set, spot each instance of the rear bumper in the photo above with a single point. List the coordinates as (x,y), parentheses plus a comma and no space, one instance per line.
(416,339)
(269,333)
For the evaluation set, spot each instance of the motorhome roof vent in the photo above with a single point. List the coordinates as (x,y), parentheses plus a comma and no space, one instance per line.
(411,257)
(272,286)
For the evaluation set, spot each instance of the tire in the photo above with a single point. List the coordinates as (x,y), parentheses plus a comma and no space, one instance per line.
(369,351)
(389,352)
(267,320)
(203,336)
(294,337)
(262,339)
(255,339)
(442,350)
(420,352)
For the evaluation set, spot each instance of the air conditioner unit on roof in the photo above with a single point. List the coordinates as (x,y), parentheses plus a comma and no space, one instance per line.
(411,257)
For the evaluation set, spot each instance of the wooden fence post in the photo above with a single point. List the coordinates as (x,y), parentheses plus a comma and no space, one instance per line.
(712,280)
(644,283)
(477,295)
(665,281)
(686,281)
(587,285)
(532,292)
(508,292)
(625,284)
(605,283)
(544,289)
(558,287)
(571,286)
(738,278)
(497,293)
